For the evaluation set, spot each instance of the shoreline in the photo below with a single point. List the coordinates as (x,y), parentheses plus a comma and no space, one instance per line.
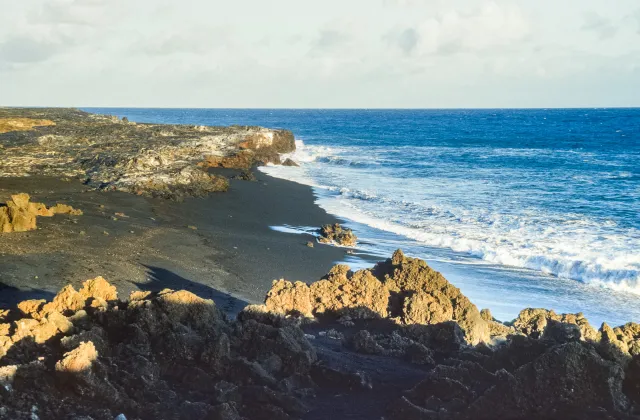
(232,255)
(520,287)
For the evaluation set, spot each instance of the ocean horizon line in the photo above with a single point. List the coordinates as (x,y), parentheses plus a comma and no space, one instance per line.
(329,108)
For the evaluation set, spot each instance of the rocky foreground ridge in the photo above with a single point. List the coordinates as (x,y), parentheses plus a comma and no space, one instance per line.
(168,161)
(88,354)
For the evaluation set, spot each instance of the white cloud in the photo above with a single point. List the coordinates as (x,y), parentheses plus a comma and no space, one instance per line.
(601,25)
(292,53)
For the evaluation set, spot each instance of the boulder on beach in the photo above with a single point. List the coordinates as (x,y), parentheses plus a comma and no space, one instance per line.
(336,234)
(19,214)
(289,162)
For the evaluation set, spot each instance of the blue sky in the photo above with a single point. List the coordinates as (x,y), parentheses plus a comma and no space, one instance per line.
(297,53)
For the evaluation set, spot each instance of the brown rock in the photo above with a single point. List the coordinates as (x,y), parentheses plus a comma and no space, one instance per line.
(5,221)
(68,300)
(289,162)
(21,201)
(22,124)
(186,308)
(139,295)
(423,308)
(532,322)
(410,276)
(65,209)
(7,373)
(611,347)
(99,288)
(343,292)
(338,235)
(40,210)
(486,315)
(19,215)
(286,297)
(32,307)
(242,160)
(78,360)
(22,220)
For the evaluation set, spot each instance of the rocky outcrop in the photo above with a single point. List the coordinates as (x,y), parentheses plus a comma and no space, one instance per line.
(172,354)
(336,234)
(19,214)
(403,289)
(564,381)
(533,322)
(168,161)
(341,293)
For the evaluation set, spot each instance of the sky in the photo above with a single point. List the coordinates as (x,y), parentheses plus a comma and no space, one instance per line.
(329,54)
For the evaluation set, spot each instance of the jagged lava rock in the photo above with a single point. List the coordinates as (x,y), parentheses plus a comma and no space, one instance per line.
(166,161)
(411,279)
(19,214)
(338,235)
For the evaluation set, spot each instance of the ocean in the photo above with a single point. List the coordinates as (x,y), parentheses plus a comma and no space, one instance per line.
(518,208)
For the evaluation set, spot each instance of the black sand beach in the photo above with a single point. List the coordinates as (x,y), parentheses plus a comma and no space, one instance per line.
(232,249)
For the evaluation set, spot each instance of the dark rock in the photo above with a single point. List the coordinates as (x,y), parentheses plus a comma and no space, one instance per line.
(246,176)
(332,377)
(570,378)
(289,162)
(561,332)
(338,235)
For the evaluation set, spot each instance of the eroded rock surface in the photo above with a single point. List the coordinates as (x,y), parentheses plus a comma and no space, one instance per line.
(336,234)
(105,152)
(172,354)
(404,289)
(19,214)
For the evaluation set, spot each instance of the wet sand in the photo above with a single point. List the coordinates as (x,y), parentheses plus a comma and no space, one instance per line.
(220,247)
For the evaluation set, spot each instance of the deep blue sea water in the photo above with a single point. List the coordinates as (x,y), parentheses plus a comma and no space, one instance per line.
(518,208)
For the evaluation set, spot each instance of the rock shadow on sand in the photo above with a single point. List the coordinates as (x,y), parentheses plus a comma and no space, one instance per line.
(160,278)
(10,296)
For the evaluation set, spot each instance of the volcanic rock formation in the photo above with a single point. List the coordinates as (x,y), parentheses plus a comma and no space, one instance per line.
(336,234)
(19,214)
(171,354)
(105,152)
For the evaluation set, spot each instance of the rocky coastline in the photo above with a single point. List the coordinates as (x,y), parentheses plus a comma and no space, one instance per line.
(87,354)
(104,152)
(396,341)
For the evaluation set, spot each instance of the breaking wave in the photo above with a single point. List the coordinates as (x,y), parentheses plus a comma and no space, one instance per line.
(360,184)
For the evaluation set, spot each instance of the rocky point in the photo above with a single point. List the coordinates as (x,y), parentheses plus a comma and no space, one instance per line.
(105,152)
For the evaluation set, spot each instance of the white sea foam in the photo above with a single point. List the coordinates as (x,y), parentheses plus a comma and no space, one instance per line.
(565,245)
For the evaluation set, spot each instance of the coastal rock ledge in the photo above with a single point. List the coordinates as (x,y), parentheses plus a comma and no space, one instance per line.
(396,341)
(159,160)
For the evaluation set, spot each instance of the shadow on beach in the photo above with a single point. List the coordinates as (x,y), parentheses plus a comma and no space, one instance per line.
(161,278)
(10,296)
